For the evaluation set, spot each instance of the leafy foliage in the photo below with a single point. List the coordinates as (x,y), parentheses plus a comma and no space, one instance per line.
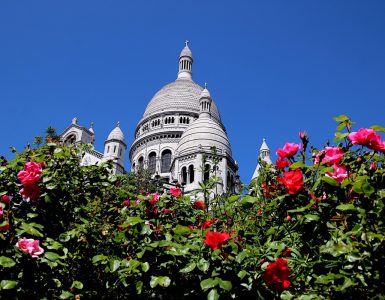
(112,237)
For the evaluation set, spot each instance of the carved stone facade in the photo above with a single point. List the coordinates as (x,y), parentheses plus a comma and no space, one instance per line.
(114,146)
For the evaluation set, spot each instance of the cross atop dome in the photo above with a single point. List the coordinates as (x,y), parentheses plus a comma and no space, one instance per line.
(186,43)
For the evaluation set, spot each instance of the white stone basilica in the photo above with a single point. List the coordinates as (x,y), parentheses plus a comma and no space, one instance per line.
(181,135)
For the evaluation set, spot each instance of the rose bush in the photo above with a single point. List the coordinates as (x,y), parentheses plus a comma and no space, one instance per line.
(311,228)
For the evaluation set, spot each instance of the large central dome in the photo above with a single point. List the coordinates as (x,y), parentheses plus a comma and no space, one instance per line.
(180,95)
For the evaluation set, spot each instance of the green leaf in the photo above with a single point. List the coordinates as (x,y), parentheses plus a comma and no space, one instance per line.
(378,128)
(209,283)
(114,265)
(188,268)
(98,258)
(52,256)
(340,136)
(344,207)
(234,198)
(6,262)
(30,228)
(286,295)
(203,265)
(242,274)
(139,286)
(311,217)
(160,280)
(66,295)
(298,164)
(77,285)
(249,200)
(225,284)
(341,118)
(145,267)
(8,284)
(213,295)
(367,188)
(181,230)
(330,181)
(133,220)
(241,256)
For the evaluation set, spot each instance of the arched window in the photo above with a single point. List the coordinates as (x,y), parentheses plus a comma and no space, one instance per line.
(184,175)
(108,149)
(114,149)
(152,162)
(140,163)
(228,180)
(206,173)
(120,152)
(70,140)
(166,161)
(191,172)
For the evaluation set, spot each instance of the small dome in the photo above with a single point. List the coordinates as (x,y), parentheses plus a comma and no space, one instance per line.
(116,134)
(186,52)
(205,132)
(205,93)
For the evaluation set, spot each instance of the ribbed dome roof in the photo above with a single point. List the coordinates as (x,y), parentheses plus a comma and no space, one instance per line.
(116,134)
(205,132)
(186,52)
(179,95)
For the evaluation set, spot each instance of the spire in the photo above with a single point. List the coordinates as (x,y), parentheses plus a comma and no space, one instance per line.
(91,127)
(185,63)
(264,154)
(205,103)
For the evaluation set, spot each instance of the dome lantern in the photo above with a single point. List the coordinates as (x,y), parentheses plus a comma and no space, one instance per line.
(185,63)
(205,103)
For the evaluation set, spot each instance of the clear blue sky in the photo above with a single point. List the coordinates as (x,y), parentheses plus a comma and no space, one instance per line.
(274,68)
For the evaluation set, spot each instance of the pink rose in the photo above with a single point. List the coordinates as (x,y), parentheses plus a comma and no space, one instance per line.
(30,246)
(31,173)
(1,211)
(176,192)
(332,155)
(339,174)
(288,150)
(367,137)
(30,192)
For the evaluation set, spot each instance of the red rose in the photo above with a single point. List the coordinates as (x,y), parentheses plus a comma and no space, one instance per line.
(30,192)
(5,199)
(4,226)
(288,150)
(286,252)
(277,275)
(31,173)
(199,204)
(176,192)
(281,163)
(207,224)
(293,181)
(167,211)
(215,239)
(154,198)
(126,202)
